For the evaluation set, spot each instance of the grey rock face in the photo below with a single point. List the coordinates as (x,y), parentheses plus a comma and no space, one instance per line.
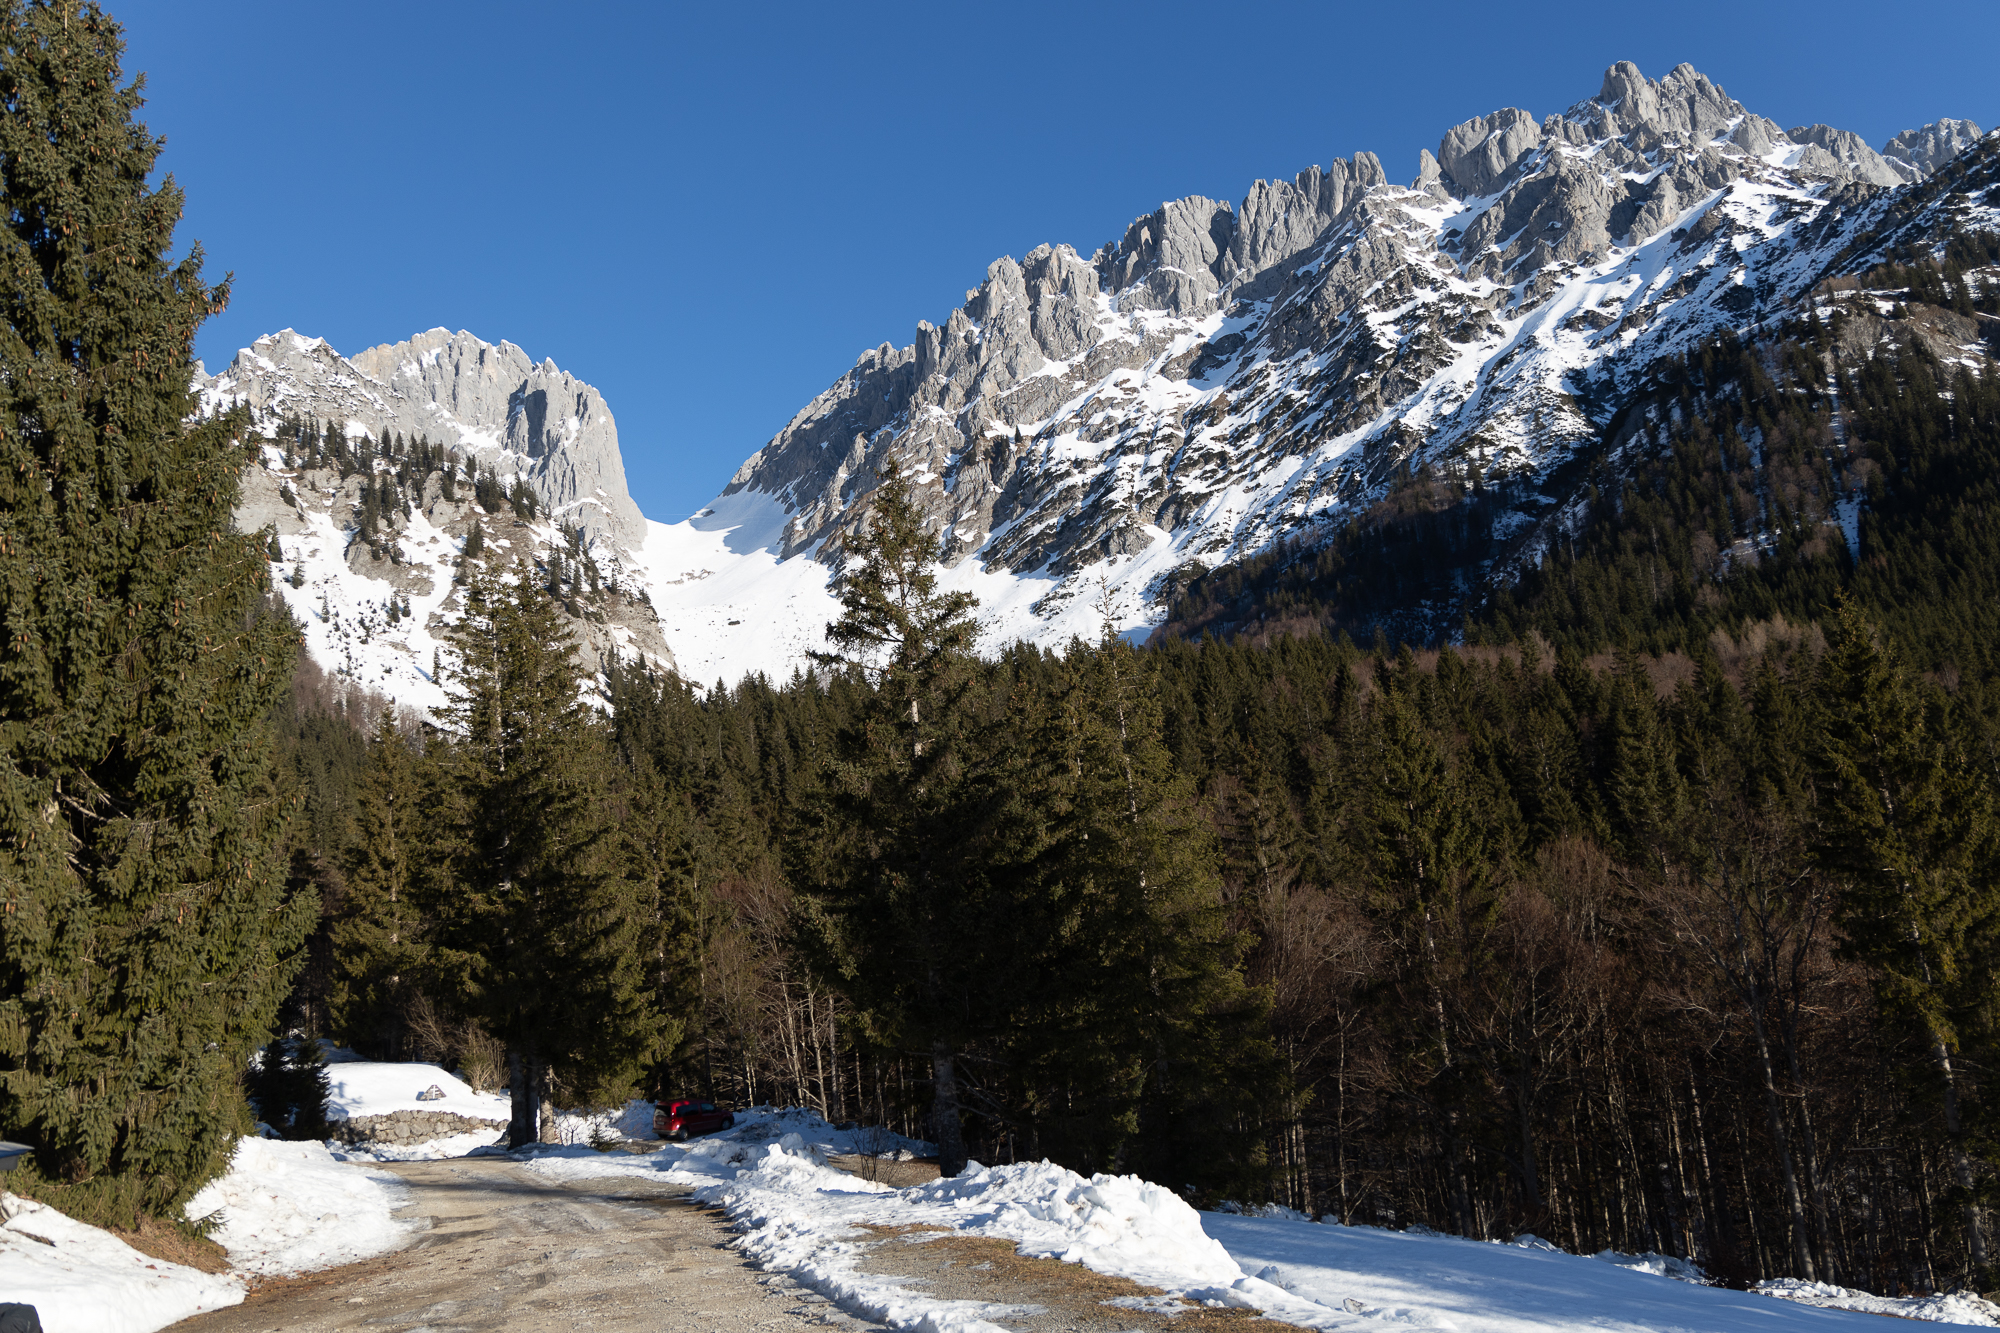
(1856,158)
(492,405)
(1484,149)
(1221,377)
(1917,153)
(488,400)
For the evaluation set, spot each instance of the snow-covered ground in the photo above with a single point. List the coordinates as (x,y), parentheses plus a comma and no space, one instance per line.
(292,1208)
(800,1217)
(83,1280)
(358,1088)
(289,1207)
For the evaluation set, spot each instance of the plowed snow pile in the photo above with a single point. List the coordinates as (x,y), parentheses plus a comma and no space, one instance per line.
(802,1218)
(288,1207)
(83,1280)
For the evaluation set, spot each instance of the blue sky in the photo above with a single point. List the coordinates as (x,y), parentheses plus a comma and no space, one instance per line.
(708,211)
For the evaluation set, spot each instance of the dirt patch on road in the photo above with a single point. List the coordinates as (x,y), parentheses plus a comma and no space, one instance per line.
(1048,1295)
(502,1249)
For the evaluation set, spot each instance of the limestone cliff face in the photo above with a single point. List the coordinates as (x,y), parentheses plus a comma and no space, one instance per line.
(376,611)
(1224,376)
(490,401)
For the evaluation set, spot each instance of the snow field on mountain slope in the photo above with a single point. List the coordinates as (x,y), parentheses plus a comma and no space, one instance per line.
(728,606)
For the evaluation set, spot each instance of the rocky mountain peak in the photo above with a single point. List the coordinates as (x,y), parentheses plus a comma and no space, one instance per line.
(1229,378)
(1920,152)
(491,402)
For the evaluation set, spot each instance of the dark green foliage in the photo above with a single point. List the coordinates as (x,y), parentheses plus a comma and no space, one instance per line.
(148,935)
(907,924)
(287,1087)
(521,499)
(542,923)
(377,936)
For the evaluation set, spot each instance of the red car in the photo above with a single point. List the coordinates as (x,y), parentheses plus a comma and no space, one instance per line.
(680,1119)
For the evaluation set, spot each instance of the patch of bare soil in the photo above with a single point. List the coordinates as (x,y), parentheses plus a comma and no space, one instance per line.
(1047,1295)
(887,1170)
(176,1245)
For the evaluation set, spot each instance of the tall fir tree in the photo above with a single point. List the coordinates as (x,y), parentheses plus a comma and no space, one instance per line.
(545,924)
(900,910)
(146,938)
(378,940)
(1139,1044)
(1909,828)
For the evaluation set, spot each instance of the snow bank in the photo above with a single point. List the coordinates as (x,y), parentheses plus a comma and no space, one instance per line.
(798,1216)
(83,1280)
(1332,1273)
(358,1088)
(292,1208)
(1958,1308)
(430,1150)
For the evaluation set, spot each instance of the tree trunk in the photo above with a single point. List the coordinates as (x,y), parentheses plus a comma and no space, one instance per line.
(521,1128)
(1781,1142)
(1961,1164)
(546,1104)
(944,1111)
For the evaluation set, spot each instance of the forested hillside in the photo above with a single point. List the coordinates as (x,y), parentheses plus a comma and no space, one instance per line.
(1657,910)
(1681,943)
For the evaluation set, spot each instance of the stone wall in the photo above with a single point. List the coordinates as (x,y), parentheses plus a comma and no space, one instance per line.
(409,1127)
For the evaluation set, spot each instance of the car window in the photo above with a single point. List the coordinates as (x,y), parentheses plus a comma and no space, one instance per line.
(708,1106)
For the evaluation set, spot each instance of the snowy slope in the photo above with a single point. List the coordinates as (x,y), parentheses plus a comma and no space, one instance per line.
(81,1279)
(358,1088)
(1087,432)
(377,613)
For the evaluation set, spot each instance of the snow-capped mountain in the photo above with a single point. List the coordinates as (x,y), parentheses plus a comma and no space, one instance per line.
(1088,432)
(416,422)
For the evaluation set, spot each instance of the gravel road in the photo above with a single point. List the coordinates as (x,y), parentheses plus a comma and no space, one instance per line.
(509,1250)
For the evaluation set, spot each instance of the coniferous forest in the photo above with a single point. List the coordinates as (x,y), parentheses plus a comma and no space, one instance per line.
(1653,903)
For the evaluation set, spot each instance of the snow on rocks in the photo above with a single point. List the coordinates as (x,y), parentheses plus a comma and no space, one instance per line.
(293,1207)
(407,1128)
(80,1278)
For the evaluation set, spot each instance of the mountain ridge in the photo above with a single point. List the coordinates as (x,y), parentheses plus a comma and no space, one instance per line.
(1088,435)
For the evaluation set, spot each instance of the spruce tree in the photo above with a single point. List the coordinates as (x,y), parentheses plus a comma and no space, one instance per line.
(378,937)
(545,923)
(1910,829)
(146,938)
(1140,1044)
(901,912)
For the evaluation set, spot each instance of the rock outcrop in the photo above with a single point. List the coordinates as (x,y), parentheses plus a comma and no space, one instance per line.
(1918,153)
(376,607)
(1221,377)
(402,1128)
(489,401)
